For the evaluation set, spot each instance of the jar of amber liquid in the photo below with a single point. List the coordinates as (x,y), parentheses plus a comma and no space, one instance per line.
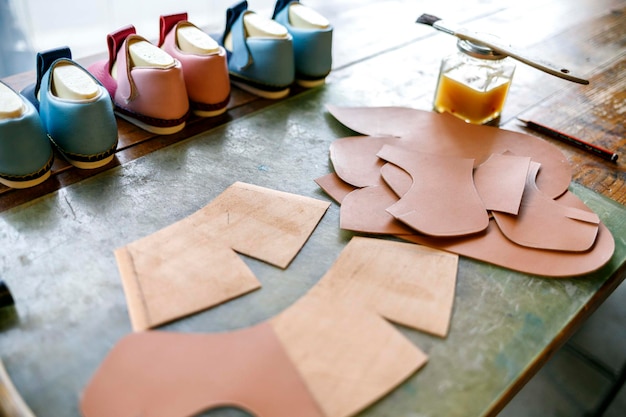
(473,83)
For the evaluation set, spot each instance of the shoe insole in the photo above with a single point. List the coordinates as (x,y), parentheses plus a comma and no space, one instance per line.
(72,83)
(145,54)
(258,26)
(190,39)
(11,105)
(304,17)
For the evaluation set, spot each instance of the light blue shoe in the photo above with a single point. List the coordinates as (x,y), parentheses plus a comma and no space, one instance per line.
(75,109)
(25,151)
(260,53)
(312,41)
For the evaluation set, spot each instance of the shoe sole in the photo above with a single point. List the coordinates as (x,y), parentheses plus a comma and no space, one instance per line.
(272,95)
(169,130)
(25,184)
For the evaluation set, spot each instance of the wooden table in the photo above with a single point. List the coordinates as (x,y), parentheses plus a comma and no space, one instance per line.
(58,238)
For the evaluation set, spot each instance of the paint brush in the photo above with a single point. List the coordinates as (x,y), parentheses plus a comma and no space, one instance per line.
(497,45)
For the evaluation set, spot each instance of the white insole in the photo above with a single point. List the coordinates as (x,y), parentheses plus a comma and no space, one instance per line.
(257,26)
(192,40)
(11,104)
(72,83)
(304,17)
(144,54)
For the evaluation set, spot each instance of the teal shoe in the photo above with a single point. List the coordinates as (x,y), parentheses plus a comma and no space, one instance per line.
(77,112)
(75,109)
(25,151)
(312,41)
(260,53)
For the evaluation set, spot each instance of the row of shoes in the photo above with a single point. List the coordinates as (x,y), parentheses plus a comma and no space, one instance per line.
(154,86)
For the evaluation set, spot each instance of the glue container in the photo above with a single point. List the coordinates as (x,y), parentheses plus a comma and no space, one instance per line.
(473,83)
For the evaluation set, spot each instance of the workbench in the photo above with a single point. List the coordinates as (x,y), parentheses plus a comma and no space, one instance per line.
(57,241)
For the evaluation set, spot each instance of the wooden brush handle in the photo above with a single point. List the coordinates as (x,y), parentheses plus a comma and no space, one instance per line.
(522,56)
(11,404)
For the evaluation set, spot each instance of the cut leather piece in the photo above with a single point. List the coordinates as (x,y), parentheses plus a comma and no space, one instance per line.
(334,186)
(330,354)
(349,356)
(493,247)
(178,273)
(444,134)
(500,182)
(173,374)
(190,265)
(374,273)
(543,223)
(397,179)
(382,121)
(354,159)
(442,200)
(364,210)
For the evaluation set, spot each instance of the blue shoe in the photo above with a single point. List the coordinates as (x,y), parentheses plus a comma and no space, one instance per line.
(25,151)
(260,53)
(312,41)
(75,109)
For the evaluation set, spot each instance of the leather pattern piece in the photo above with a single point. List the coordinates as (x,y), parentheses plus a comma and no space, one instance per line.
(442,200)
(364,210)
(444,134)
(334,186)
(501,180)
(330,354)
(493,247)
(179,272)
(547,230)
(545,224)
(191,265)
(355,161)
(347,354)
(173,374)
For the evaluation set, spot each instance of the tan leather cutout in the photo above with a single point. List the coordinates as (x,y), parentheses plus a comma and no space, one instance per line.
(364,210)
(265,224)
(179,272)
(190,265)
(375,273)
(344,353)
(334,186)
(355,160)
(444,134)
(173,374)
(442,200)
(500,182)
(397,179)
(545,224)
(350,357)
(492,246)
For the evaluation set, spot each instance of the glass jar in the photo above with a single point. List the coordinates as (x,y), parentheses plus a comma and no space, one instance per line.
(473,83)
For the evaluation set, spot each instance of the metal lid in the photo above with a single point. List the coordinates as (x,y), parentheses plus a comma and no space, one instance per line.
(479,51)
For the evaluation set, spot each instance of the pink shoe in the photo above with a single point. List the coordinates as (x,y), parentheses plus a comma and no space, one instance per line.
(204,64)
(146,83)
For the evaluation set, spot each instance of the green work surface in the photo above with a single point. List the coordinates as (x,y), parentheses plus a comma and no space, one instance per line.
(57,258)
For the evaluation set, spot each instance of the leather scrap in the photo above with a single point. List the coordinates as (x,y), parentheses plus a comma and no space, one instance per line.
(442,200)
(191,265)
(330,354)
(543,223)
